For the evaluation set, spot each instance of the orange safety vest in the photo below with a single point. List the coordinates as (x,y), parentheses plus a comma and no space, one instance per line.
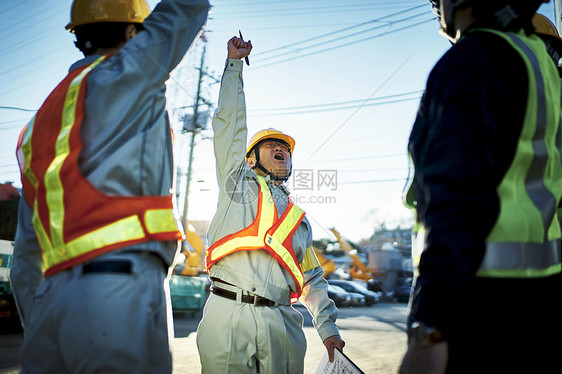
(268,232)
(74,222)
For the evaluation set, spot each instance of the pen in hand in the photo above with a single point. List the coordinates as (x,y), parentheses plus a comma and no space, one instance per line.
(245,58)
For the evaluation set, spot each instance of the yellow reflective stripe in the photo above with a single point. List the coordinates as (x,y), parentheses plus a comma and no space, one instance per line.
(276,240)
(129,228)
(310,260)
(160,220)
(268,209)
(26,149)
(288,224)
(286,258)
(266,221)
(126,229)
(239,242)
(42,238)
(53,183)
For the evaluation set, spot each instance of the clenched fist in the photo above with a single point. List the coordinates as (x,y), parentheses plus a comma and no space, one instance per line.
(238,49)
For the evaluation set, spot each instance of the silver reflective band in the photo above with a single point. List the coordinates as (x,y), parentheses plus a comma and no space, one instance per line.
(521,259)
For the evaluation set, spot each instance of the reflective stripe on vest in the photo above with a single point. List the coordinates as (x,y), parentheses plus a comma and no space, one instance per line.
(266,232)
(531,187)
(75,222)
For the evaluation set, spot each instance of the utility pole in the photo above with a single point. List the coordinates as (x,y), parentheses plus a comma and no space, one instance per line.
(194,127)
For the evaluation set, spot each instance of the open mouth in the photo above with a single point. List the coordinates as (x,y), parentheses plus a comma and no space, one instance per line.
(279,156)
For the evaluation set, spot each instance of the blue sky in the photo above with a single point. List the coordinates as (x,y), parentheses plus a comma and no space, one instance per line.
(343,77)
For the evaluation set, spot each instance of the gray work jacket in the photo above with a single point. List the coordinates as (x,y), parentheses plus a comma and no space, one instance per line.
(127,145)
(256,271)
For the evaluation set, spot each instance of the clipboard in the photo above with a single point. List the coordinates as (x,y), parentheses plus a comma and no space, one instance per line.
(341,364)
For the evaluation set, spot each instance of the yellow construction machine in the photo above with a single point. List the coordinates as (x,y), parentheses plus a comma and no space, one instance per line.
(193,258)
(327,263)
(187,287)
(358,269)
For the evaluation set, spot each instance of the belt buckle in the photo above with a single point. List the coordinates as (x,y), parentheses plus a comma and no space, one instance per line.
(256,300)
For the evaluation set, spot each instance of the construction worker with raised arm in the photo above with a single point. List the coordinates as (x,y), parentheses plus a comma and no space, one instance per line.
(97,228)
(261,258)
(486,186)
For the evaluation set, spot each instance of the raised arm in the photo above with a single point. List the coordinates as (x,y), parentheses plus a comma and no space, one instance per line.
(229,120)
(168,33)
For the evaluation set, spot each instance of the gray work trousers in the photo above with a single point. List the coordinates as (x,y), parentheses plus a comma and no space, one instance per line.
(101,322)
(236,337)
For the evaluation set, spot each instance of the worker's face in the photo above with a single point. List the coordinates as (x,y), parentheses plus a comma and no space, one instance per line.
(275,156)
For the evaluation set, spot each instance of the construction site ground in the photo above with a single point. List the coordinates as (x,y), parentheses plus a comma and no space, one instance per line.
(375,340)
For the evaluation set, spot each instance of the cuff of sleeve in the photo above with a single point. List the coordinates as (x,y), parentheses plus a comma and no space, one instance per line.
(233,64)
(327,330)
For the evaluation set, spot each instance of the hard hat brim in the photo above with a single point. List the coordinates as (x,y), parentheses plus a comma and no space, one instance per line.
(277,135)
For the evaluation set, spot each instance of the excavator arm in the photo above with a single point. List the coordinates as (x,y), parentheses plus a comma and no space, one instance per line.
(359,270)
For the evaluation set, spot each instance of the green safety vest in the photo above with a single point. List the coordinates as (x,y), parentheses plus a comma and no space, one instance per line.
(532,186)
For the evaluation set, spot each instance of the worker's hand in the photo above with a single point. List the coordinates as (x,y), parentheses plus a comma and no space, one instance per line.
(331,343)
(238,49)
(427,360)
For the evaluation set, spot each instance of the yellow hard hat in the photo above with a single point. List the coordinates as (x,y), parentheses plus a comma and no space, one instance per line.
(270,134)
(544,26)
(91,11)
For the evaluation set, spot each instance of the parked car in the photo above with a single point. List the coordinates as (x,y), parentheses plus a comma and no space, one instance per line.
(370,296)
(339,295)
(402,290)
(357,299)
(375,285)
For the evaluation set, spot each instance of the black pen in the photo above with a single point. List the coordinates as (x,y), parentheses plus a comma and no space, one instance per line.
(245,58)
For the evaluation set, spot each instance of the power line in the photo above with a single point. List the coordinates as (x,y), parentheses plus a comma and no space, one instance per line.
(301,11)
(389,168)
(344,45)
(375,181)
(18,108)
(358,101)
(378,19)
(29,18)
(364,157)
(342,105)
(339,39)
(229,3)
(359,108)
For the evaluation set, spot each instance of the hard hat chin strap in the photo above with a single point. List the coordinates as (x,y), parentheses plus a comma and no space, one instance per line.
(271,175)
(267,172)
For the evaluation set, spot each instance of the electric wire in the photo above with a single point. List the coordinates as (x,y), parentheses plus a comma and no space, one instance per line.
(328,107)
(344,45)
(304,41)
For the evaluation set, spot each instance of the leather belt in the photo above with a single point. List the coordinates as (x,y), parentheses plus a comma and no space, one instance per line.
(113,266)
(256,300)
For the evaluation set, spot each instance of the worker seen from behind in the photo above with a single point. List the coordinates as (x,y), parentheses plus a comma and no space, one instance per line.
(97,229)
(261,258)
(487,182)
